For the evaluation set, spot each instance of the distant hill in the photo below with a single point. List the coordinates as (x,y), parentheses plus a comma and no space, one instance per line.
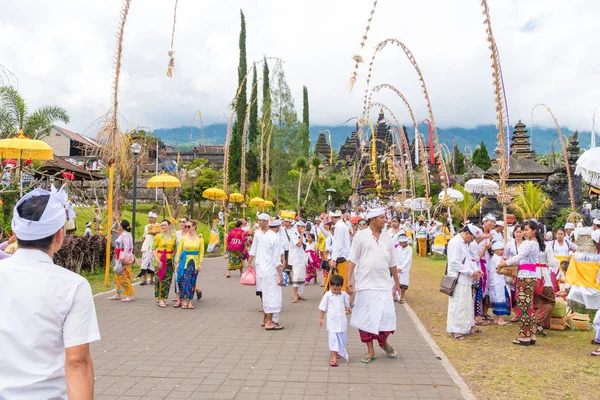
(186,137)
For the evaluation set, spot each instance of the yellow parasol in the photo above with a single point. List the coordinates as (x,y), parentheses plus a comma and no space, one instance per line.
(214,194)
(23,148)
(236,197)
(257,201)
(268,203)
(163,180)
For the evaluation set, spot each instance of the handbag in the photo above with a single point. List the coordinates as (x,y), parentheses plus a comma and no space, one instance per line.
(248,278)
(510,270)
(128,259)
(448,283)
(118,269)
(286,278)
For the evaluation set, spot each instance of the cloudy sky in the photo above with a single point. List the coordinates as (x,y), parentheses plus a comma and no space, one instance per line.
(63,51)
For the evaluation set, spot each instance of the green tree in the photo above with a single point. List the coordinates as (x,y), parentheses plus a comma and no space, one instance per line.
(235,147)
(14,116)
(266,111)
(530,201)
(481,158)
(301,165)
(252,158)
(315,162)
(459,162)
(305,128)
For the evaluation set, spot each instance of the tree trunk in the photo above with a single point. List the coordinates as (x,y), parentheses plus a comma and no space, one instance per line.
(299,189)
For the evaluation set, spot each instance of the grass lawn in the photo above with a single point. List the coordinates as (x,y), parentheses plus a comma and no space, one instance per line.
(96,279)
(557,367)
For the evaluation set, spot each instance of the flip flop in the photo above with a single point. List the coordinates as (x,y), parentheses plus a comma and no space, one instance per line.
(191,307)
(401,301)
(301,298)
(520,342)
(457,336)
(295,301)
(367,359)
(115,297)
(594,342)
(127,300)
(162,305)
(274,328)
(177,305)
(595,353)
(476,331)
(390,353)
(184,307)
(333,363)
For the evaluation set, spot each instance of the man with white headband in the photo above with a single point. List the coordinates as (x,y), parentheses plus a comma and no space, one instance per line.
(462,265)
(272,276)
(372,258)
(258,251)
(47,312)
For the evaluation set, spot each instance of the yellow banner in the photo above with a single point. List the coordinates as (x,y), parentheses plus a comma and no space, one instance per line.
(583,273)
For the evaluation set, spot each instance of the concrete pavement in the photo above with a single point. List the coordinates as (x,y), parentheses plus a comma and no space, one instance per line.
(220,351)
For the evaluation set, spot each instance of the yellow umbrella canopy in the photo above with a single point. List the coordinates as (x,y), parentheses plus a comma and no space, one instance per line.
(23,148)
(268,203)
(257,201)
(163,180)
(214,194)
(236,197)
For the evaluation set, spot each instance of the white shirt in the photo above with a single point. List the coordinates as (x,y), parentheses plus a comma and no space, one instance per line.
(267,250)
(461,260)
(44,309)
(404,255)
(564,249)
(87,233)
(335,307)
(373,260)
(285,236)
(529,253)
(296,256)
(148,239)
(596,235)
(341,241)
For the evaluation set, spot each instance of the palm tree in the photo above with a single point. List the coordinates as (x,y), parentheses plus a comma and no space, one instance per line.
(316,163)
(14,116)
(530,201)
(468,206)
(301,165)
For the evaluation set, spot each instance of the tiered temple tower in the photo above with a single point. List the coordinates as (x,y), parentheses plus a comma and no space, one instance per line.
(349,150)
(323,148)
(384,135)
(520,142)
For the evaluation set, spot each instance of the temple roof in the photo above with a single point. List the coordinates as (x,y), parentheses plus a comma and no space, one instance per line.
(523,167)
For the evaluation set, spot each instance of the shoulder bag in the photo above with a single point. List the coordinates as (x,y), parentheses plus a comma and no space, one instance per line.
(448,283)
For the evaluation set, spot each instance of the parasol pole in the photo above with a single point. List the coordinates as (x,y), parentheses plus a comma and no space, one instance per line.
(109,223)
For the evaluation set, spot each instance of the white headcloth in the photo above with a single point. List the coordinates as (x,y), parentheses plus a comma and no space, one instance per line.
(264,217)
(52,220)
(375,212)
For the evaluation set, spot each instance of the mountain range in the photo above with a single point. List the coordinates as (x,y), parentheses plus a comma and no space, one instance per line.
(185,137)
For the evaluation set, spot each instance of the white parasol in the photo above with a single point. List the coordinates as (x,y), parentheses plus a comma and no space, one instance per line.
(447,196)
(588,166)
(418,204)
(482,186)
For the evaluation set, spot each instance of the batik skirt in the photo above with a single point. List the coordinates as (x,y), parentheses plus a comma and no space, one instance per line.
(124,287)
(527,319)
(163,286)
(187,282)
(235,260)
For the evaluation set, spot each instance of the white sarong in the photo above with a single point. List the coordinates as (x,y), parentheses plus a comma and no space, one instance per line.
(373,311)
(299,276)
(461,316)
(272,298)
(148,260)
(258,278)
(337,343)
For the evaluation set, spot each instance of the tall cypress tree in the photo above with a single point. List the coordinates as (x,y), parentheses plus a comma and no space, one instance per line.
(266,110)
(459,161)
(481,158)
(235,148)
(252,158)
(305,130)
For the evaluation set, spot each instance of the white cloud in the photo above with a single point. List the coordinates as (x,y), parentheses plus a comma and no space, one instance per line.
(63,53)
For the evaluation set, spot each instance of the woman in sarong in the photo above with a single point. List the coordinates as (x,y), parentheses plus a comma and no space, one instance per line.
(313,261)
(191,254)
(544,298)
(528,257)
(123,260)
(163,248)
(236,242)
(562,248)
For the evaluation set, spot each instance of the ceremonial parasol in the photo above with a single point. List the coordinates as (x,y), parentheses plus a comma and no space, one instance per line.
(214,194)
(588,166)
(257,201)
(482,186)
(23,148)
(236,197)
(268,203)
(163,181)
(448,196)
(418,204)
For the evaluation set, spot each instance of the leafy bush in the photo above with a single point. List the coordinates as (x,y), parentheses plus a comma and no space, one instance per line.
(80,253)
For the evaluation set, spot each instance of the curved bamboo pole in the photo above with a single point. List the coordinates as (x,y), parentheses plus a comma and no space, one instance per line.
(380,46)
(244,140)
(563,144)
(410,169)
(267,169)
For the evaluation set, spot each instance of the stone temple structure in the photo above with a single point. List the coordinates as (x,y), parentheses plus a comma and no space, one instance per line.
(350,149)
(323,149)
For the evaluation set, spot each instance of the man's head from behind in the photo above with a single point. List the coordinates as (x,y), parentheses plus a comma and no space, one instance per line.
(29,212)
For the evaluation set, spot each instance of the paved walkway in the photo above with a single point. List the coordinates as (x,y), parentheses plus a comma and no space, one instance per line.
(220,351)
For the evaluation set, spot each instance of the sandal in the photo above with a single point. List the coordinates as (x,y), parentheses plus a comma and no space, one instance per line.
(295,301)
(482,323)
(401,301)
(595,342)
(115,297)
(183,306)
(595,353)
(521,342)
(301,298)
(457,336)
(391,352)
(191,307)
(540,331)
(368,359)
(162,304)
(333,363)
(177,305)
(274,328)
(476,331)
(127,300)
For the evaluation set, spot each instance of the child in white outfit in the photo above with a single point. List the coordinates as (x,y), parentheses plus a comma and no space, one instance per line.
(336,304)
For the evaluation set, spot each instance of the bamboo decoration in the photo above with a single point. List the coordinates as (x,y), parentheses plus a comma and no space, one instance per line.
(405,143)
(504,193)
(171,51)
(115,149)
(244,143)
(267,168)
(357,58)
(572,217)
(380,46)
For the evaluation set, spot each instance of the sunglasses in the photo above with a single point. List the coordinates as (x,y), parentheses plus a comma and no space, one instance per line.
(362,223)
(188,227)
(182,222)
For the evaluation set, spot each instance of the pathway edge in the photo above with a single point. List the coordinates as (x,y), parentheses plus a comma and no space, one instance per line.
(462,385)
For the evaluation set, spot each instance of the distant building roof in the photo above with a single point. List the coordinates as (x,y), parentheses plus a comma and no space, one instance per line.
(523,168)
(210,150)
(76,136)
(57,165)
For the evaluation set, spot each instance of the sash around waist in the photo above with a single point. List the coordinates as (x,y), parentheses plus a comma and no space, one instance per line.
(527,267)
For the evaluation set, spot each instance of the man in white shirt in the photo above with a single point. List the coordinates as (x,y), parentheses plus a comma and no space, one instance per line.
(272,277)
(258,252)
(498,232)
(338,261)
(47,313)
(372,260)
(88,230)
